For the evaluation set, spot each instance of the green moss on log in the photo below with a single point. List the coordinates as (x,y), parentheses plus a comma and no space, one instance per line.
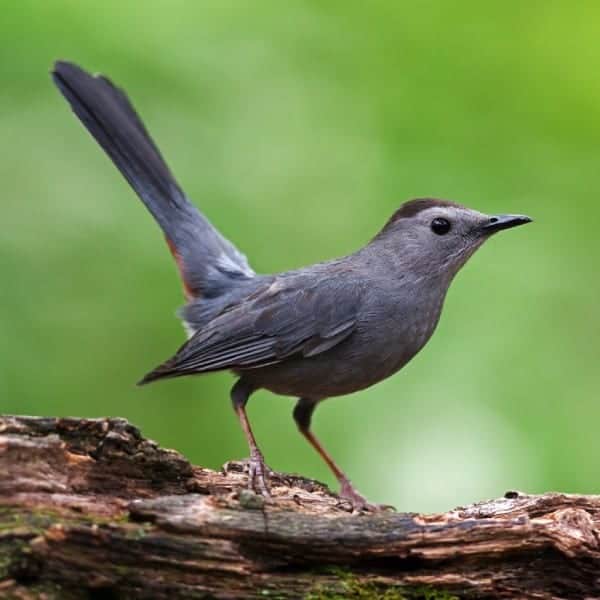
(349,585)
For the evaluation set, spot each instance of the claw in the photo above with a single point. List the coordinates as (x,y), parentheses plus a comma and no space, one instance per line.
(258,475)
(358,501)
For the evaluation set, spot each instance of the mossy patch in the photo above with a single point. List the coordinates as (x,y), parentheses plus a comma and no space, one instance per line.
(18,526)
(349,586)
(37,520)
(47,591)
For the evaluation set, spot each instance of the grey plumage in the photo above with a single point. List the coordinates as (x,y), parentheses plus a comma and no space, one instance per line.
(325,330)
(106,112)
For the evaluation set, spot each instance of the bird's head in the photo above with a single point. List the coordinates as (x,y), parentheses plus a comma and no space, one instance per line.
(435,237)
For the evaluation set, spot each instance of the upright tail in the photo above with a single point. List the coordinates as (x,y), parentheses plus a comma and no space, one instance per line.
(207,261)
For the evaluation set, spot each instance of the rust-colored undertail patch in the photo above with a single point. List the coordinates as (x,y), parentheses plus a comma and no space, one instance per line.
(187,290)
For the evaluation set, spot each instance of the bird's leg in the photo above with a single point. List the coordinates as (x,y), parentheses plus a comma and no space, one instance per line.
(302,415)
(258,475)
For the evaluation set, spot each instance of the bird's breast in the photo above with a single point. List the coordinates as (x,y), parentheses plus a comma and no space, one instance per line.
(394,337)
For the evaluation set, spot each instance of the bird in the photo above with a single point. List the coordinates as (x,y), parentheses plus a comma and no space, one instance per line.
(317,332)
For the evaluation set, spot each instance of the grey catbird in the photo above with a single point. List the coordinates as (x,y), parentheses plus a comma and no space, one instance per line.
(325,330)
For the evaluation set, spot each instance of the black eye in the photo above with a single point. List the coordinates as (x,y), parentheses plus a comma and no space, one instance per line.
(440,226)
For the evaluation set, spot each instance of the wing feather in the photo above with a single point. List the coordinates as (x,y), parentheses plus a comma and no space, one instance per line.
(290,316)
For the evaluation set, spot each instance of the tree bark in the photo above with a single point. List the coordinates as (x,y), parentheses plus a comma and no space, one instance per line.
(91,509)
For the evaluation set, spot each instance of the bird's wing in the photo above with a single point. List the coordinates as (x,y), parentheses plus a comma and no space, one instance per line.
(285,318)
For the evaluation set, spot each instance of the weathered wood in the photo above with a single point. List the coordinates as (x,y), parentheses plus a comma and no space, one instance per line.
(91,509)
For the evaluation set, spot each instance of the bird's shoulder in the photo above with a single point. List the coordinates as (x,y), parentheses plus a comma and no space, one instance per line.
(319,296)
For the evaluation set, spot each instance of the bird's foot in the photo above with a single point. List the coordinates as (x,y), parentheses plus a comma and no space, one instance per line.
(358,502)
(258,475)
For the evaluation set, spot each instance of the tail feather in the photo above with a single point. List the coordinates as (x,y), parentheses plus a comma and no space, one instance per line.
(207,261)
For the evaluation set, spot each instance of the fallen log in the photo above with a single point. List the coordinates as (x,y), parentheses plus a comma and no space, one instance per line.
(91,509)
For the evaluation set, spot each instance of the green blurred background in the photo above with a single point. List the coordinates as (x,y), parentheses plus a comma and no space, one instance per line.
(298,127)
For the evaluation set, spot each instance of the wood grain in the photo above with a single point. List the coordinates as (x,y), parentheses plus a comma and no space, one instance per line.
(91,509)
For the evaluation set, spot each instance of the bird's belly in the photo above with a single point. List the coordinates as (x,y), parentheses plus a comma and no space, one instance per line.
(357,363)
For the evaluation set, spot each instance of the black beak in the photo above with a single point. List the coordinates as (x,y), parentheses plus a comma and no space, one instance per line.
(500,222)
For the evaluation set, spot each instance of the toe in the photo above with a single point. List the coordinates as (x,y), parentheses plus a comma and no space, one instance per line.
(358,502)
(258,480)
